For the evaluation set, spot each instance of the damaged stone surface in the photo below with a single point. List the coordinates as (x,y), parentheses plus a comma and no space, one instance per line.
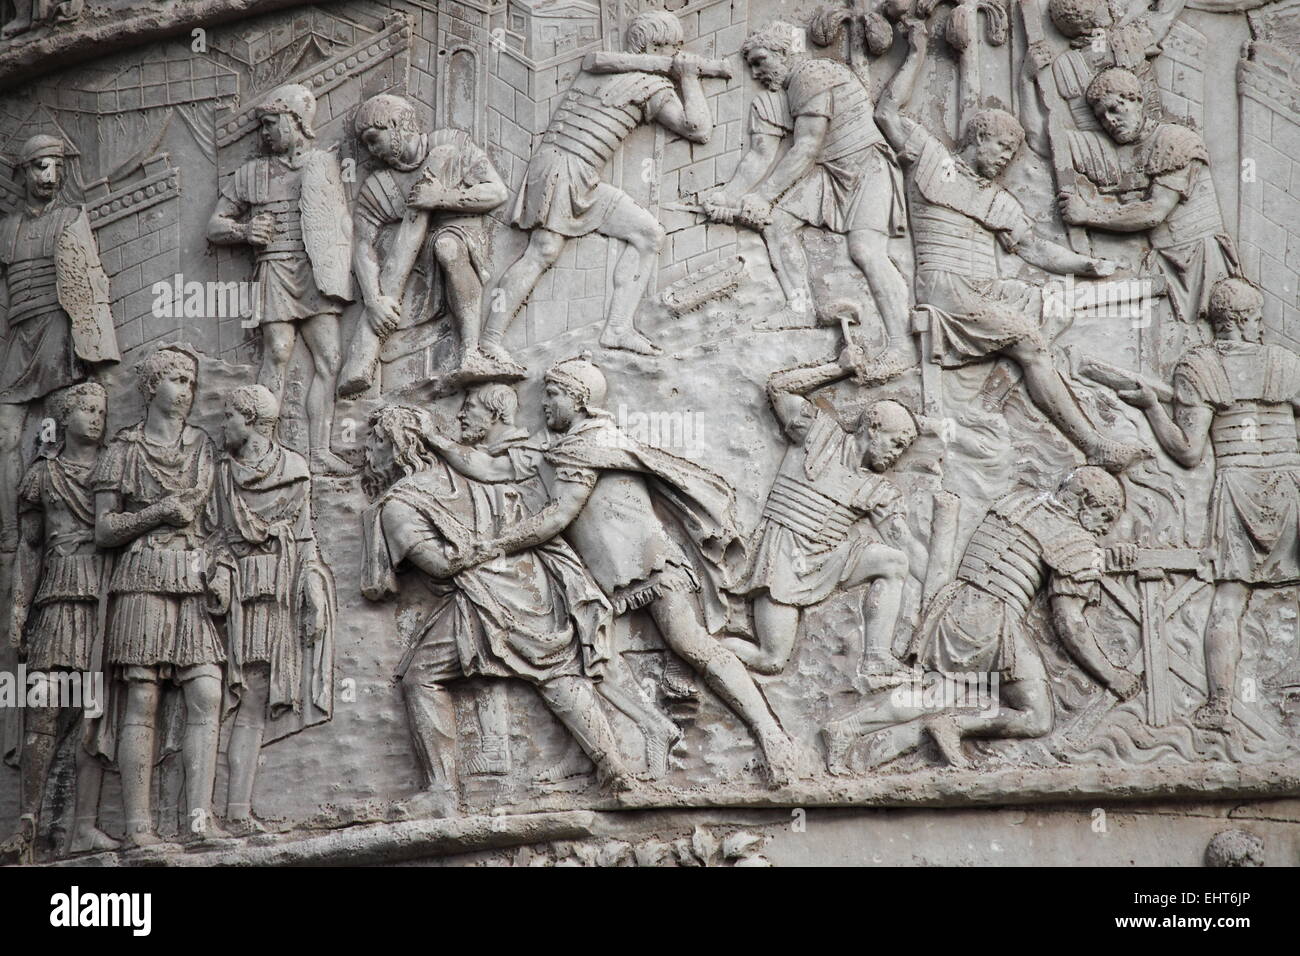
(590,434)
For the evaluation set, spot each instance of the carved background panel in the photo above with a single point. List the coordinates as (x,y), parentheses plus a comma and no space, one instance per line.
(827,458)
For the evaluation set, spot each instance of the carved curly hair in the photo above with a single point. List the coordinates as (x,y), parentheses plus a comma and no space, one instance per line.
(1231,300)
(257,406)
(157,364)
(651,27)
(500,399)
(777,36)
(67,400)
(1115,81)
(385,111)
(992,122)
(1074,18)
(406,427)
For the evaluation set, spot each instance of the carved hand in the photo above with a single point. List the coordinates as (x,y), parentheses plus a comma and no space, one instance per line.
(429,193)
(384,315)
(917,33)
(755,212)
(719,206)
(1122,557)
(1040,54)
(1124,685)
(219,592)
(1075,209)
(851,357)
(175,510)
(1143,396)
(260,229)
(480,551)
(1103,267)
(685,67)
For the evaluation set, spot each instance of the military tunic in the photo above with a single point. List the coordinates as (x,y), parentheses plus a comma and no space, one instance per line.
(811,538)
(562,189)
(976,625)
(1254,530)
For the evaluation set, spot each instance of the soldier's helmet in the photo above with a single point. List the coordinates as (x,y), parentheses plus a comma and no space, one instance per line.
(580,378)
(296,100)
(40,146)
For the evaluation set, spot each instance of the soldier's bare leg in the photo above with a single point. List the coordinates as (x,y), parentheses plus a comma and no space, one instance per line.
(86,836)
(12,420)
(464,297)
(885,710)
(790,261)
(135,755)
(676,616)
(510,293)
(657,732)
(245,747)
(869,250)
(776,627)
(884,570)
(40,740)
(492,703)
(278,340)
(573,701)
(1048,392)
(1025,711)
(1222,653)
(202,693)
(644,237)
(431,714)
(22,21)
(321,333)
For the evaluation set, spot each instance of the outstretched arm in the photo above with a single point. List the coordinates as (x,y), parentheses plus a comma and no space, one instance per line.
(1184,436)
(753,167)
(1073,630)
(786,390)
(898,94)
(1053,257)
(472,462)
(365,261)
(570,498)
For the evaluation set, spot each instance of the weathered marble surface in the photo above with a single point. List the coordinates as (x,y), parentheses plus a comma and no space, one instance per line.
(689,290)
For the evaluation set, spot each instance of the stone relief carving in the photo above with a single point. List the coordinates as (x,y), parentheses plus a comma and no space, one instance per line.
(640,408)
(290,207)
(58,580)
(441,173)
(563,197)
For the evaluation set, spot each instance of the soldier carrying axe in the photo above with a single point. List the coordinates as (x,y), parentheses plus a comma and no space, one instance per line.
(563,196)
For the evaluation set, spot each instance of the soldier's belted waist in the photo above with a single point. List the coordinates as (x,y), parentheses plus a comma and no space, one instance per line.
(72,577)
(806,511)
(160,571)
(1255,434)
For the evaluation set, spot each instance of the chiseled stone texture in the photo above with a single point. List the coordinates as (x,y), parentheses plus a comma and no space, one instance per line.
(682,432)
